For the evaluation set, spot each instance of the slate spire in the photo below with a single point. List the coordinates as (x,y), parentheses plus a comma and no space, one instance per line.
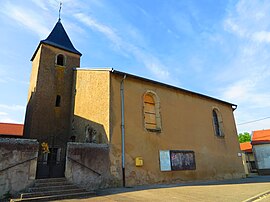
(59,38)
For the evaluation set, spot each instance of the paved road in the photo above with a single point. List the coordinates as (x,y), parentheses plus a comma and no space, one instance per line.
(229,190)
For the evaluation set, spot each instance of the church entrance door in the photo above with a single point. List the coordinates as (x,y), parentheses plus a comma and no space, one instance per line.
(52,158)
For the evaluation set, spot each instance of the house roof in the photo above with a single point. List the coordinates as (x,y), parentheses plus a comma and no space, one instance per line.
(246,147)
(260,137)
(170,86)
(11,129)
(58,38)
(234,106)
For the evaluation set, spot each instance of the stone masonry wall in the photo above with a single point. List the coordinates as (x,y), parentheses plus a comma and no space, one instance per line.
(88,165)
(18,160)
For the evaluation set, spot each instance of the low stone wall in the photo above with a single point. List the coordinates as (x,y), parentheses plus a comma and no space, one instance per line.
(18,160)
(88,165)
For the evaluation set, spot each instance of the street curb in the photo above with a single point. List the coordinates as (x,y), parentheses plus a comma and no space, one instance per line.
(259,196)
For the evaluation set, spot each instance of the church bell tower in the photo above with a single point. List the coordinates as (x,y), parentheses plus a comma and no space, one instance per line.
(49,108)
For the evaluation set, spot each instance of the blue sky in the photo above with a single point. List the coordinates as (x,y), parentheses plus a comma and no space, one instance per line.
(219,48)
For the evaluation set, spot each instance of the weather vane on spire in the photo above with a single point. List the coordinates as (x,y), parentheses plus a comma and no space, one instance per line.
(60,11)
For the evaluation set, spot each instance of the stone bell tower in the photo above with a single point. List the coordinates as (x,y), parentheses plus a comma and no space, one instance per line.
(50,93)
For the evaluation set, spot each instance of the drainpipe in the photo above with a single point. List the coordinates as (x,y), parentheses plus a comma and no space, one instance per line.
(123,128)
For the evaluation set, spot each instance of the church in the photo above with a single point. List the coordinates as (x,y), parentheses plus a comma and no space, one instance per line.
(107,128)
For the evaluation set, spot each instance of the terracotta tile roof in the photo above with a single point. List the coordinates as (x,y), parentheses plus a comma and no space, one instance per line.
(246,147)
(12,129)
(260,137)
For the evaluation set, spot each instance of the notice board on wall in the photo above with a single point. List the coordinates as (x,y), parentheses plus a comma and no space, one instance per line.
(182,160)
(172,160)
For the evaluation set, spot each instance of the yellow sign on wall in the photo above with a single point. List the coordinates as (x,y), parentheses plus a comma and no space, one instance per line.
(139,161)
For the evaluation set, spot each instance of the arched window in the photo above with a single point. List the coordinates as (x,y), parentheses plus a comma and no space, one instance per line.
(60,60)
(217,122)
(152,121)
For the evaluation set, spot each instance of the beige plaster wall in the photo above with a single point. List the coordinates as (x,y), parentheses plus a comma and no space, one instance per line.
(186,121)
(18,161)
(91,106)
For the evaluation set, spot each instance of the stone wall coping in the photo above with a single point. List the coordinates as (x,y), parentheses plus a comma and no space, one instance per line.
(18,141)
(86,145)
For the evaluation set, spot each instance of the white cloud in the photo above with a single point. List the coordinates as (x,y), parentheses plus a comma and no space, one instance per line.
(246,79)
(10,79)
(232,26)
(3,80)
(12,113)
(27,18)
(8,120)
(42,4)
(107,31)
(12,107)
(151,62)
(69,6)
(237,91)
(262,36)
(249,19)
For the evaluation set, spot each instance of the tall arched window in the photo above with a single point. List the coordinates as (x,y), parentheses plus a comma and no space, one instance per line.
(217,122)
(151,111)
(60,60)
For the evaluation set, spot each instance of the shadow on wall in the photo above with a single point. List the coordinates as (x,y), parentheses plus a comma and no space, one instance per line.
(87,131)
(88,156)
(82,130)
(88,165)
(28,116)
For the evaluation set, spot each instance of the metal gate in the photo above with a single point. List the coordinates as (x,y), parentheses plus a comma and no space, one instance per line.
(51,161)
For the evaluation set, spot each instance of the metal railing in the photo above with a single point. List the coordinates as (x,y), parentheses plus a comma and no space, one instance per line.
(17,164)
(84,166)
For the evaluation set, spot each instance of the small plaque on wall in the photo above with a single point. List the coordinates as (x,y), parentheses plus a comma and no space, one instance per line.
(182,160)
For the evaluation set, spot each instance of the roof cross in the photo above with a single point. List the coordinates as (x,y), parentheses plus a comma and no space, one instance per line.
(60,7)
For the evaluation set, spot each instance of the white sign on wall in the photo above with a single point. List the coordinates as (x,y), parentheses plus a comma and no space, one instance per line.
(165,160)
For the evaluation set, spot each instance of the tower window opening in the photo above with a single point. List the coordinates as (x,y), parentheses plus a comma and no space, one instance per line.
(58,101)
(60,60)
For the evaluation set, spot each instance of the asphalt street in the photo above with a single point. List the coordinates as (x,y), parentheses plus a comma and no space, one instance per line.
(256,188)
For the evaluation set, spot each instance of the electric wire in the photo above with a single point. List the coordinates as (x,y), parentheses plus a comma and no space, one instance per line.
(254,121)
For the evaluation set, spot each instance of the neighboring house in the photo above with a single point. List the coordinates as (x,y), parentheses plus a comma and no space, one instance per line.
(11,130)
(155,132)
(261,149)
(248,157)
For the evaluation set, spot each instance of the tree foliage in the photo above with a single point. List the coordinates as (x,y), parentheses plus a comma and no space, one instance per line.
(244,137)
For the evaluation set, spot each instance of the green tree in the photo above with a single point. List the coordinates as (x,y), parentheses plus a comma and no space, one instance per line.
(244,137)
